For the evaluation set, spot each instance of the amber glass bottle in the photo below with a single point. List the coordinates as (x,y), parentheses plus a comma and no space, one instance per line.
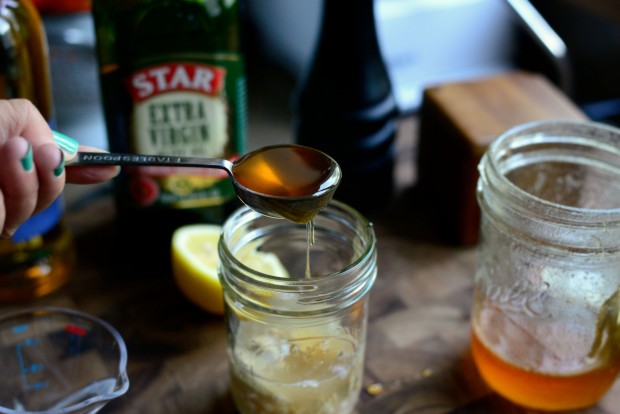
(41,255)
(173,82)
(344,104)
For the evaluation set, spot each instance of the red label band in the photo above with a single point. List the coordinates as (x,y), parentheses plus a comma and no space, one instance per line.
(175,77)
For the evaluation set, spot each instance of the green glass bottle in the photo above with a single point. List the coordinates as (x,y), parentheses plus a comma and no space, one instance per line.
(172,77)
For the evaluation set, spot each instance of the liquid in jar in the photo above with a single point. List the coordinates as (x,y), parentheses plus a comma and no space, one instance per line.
(297,341)
(302,371)
(538,389)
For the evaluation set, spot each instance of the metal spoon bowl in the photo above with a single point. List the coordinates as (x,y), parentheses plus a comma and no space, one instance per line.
(299,208)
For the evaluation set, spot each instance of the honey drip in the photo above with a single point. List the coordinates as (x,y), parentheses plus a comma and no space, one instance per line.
(295,183)
(310,230)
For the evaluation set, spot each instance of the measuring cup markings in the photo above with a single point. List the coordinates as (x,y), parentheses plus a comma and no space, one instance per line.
(75,335)
(78,339)
(76,330)
(20,328)
(31,368)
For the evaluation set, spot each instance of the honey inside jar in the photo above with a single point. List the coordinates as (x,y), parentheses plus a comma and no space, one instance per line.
(541,390)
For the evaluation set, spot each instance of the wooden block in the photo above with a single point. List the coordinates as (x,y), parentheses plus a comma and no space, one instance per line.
(458,121)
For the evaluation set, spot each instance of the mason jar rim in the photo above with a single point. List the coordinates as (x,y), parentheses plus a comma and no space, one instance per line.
(508,205)
(351,282)
(489,167)
(367,224)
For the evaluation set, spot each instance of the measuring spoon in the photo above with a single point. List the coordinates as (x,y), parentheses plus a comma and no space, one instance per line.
(282,181)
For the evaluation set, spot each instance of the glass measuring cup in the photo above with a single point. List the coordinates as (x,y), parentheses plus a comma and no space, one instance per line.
(59,361)
(545,318)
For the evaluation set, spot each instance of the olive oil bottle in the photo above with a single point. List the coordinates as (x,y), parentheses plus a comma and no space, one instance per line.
(172,78)
(40,257)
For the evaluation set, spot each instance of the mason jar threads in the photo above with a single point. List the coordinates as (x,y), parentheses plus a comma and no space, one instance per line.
(296,339)
(547,288)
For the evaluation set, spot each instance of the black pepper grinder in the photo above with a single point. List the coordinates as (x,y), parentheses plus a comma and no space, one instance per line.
(345,107)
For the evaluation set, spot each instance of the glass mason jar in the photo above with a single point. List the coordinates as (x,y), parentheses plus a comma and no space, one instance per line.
(296,342)
(546,332)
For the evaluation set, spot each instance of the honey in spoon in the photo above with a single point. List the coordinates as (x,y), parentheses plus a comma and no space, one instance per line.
(289,181)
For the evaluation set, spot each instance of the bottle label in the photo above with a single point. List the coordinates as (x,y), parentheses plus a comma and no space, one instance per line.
(180,109)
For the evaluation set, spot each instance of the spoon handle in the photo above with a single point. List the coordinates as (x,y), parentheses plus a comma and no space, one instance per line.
(111,158)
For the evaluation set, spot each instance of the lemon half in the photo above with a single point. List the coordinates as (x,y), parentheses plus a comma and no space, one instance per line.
(195,261)
(194,265)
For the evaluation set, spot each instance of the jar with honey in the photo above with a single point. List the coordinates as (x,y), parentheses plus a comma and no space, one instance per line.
(546,332)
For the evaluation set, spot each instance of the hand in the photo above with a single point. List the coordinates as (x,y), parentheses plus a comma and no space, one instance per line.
(32,173)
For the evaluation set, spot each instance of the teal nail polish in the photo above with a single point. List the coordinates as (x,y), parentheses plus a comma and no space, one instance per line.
(68,145)
(27,161)
(61,167)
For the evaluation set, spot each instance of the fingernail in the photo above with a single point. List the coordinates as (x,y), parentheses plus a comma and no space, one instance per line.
(68,145)
(27,162)
(61,167)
